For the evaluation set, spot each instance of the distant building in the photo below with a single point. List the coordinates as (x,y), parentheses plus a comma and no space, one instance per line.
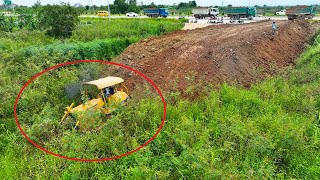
(9,6)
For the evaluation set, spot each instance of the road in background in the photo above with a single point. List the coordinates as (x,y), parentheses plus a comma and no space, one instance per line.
(190,17)
(206,22)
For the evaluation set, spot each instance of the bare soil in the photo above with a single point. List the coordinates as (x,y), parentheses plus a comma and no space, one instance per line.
(236,54)
(191,26)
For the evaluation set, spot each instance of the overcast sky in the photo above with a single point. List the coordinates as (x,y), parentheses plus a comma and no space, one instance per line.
(199,2)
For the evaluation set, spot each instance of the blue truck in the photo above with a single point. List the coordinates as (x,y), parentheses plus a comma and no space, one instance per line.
(157,12)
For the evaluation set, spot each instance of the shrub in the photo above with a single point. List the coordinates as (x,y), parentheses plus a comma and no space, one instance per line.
(59,20)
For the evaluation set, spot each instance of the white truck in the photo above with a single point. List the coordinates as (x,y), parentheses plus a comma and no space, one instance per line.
(203,12)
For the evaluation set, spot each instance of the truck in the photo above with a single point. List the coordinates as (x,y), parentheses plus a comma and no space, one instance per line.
(157,12)
(203,12)
(301,12)
(235,13)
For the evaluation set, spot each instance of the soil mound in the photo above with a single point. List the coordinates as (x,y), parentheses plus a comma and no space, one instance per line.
(240,54)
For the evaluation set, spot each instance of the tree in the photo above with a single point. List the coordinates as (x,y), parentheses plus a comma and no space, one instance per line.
(133,6)
(132,2)
(28,17)
(36,6)
(190,4)
(59,20)
(121,6)
(21,9)
(182,5)
(193,3)
(152,4)
(26,20)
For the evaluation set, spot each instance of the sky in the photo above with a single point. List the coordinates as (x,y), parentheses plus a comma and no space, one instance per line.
(170,2)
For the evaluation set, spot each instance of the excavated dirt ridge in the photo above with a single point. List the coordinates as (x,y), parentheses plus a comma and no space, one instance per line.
(240,54)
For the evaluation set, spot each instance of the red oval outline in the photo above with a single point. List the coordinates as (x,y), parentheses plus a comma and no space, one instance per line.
(90,61)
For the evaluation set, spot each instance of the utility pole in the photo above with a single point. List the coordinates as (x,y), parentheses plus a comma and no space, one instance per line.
(109,12)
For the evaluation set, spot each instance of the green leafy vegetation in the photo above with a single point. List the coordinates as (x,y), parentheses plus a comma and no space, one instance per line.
(122,7)
(124,28)
(268,131)
(59,20)
(24,53)
(6,24)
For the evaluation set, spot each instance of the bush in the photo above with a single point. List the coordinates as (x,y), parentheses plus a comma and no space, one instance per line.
(59,20)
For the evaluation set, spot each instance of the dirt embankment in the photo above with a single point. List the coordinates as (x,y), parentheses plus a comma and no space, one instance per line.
(238,54)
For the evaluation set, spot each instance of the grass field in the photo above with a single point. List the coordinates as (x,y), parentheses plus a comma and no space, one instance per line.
(270,131)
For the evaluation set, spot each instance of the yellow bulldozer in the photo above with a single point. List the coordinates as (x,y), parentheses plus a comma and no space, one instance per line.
(111,93)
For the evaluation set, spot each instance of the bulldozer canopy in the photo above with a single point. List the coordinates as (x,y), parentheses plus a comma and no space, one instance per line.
(105,82)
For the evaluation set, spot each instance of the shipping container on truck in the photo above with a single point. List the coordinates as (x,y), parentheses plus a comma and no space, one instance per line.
(301,12)
(157,12)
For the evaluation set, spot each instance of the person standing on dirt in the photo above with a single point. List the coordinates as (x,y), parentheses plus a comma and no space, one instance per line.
(274,28)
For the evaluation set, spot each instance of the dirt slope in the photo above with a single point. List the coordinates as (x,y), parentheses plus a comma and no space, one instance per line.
(238,54)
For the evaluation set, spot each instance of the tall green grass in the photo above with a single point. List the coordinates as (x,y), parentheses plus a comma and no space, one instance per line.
(124,28)
(26,53)
(98,29)
(11,42)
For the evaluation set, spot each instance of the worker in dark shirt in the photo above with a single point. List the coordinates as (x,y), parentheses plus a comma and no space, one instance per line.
(108,91)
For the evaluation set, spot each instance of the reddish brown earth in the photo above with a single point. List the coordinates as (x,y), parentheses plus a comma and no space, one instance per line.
(240,54)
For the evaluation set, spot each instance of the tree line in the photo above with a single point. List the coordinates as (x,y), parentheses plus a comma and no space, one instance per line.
(52,18)
(118,7)
(49,18)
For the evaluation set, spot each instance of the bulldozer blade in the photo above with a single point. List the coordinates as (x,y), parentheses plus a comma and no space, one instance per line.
(64,117)
(66,113)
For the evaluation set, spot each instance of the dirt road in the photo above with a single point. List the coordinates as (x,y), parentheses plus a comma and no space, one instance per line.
(238,54)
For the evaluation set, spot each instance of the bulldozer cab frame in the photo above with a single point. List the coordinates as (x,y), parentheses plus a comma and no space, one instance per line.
(104,93)
(104,83)
(101,102)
